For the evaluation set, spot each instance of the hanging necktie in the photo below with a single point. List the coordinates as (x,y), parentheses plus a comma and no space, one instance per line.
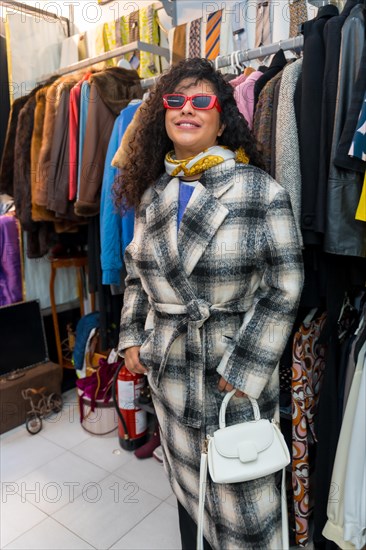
(195,38)
(298,15)
(213,35)
(179,43)
(133,25)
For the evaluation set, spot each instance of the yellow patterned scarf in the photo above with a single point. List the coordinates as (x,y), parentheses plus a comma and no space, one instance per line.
(207,159)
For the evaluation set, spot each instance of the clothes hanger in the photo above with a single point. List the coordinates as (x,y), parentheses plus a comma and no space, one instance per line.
(233,65)
(124,64)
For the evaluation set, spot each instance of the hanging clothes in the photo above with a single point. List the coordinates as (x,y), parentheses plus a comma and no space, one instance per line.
(11,285)
(58,173)
(213,32)
(310,123)
(345,235)
(111,91)
(113,237)
(358,145)
(355,482)
(22,164)
(298,15)
(263,32)
(277,64)
(149,33)
(194,42)
(179,41)
(244,96)
(288,173)
(75,94)
(4,94)
(332,40)
(83,117)
(52,101)
(335,528)
(307,376)
(342,158)
(263,127)
(7,160)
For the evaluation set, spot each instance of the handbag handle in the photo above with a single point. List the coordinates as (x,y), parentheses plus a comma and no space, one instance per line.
(228,396)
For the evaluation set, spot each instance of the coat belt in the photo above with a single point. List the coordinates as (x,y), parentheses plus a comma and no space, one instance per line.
(194,315)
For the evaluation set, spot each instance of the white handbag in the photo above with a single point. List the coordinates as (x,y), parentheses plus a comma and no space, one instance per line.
(244,452)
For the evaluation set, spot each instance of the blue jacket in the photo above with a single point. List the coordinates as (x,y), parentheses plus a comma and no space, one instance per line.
(115,232)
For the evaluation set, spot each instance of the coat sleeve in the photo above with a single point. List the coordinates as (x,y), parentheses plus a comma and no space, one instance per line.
(135,300)
(250,359)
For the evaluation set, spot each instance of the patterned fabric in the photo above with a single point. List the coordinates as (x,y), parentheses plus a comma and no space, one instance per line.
(263,126)
(298,15)
(358,146)
(288,171)
(195,38)
(133,26)
(227,285)
(149,32)
(213,35)
(199,163)
(307,375)
(110,43)
(263,25)
(141,25)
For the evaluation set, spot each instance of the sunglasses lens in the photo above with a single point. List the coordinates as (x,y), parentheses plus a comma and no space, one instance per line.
(201,101)
(175,101)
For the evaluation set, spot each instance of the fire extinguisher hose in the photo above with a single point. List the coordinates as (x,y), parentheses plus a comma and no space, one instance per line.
(114,396)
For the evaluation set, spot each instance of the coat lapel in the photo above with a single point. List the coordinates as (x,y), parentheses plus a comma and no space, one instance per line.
(204,214)
(161,219)
(201,220)
(177,253)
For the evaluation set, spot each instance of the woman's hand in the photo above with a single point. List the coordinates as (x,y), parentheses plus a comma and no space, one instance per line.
(225,386)
(132,360)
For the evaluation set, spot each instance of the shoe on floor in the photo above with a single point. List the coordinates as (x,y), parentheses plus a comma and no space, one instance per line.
(158,454)
(146,451)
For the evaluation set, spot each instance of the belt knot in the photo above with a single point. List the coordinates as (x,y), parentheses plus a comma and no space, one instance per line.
(198,311)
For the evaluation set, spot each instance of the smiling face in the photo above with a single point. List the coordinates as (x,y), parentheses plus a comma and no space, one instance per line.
(192,131)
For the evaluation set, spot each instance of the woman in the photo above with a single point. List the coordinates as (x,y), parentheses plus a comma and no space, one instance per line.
(214,278)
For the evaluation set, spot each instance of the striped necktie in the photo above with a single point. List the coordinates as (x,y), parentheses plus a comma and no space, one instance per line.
(195,38)
(213,35)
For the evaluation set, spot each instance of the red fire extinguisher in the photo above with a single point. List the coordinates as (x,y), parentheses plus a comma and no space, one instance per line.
(132,425)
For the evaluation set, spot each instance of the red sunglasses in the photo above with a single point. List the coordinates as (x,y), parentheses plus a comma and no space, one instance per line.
(202,102)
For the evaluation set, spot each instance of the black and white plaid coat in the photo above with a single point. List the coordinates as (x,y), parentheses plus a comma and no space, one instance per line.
(216,298)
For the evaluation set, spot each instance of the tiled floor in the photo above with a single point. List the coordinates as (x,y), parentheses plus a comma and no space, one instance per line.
(65,489)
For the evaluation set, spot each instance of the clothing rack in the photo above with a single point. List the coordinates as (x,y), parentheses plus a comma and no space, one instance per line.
(117,52)
(240,57)
(220,62)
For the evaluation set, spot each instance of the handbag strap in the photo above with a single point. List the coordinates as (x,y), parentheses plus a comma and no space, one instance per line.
(201,506)
(224,404)
(201,503)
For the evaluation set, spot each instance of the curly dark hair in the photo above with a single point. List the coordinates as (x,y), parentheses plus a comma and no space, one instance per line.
(149,145)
